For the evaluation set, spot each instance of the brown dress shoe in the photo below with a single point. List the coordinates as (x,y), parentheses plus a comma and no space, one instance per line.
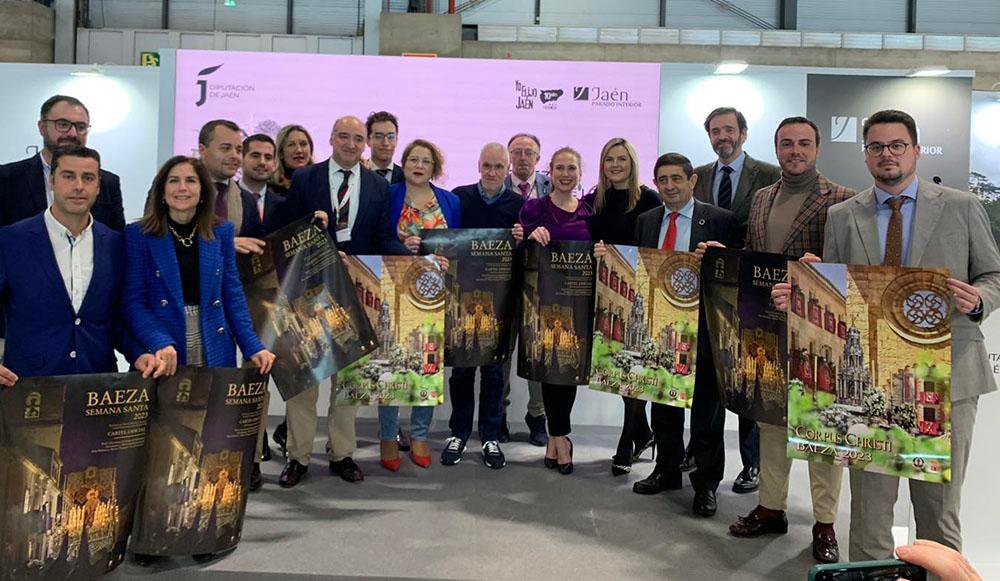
(292,474)
(760,521)
(824,546)
(347,470)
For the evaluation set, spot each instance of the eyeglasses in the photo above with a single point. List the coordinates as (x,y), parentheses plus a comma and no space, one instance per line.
(383,137)
(418,161)
(875,148)
(523,153)
(64,125)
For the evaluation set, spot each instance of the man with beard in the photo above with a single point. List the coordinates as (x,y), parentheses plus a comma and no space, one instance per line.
(220,148)
(906,221)
(730,183)
(788,218)
(25,187)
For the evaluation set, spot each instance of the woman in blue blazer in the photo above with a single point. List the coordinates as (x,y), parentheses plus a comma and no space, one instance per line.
(416,204)
(183,297)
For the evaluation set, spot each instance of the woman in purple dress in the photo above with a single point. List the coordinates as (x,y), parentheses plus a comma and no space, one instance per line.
(558,216)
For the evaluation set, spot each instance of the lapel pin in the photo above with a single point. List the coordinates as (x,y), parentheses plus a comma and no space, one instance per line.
(701,222)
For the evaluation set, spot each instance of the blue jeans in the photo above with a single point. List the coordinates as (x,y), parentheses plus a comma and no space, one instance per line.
(388,422)
(463,401)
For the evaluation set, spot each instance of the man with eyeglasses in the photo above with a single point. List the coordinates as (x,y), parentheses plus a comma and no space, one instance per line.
(906,221)
(383,135)
(25,187)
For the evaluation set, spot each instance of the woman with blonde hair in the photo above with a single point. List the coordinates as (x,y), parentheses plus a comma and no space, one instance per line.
(294,150)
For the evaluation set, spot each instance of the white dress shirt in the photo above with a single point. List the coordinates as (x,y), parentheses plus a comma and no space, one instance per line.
(260,198)
(74,256)
(353,191)
(516,183)
(47,175)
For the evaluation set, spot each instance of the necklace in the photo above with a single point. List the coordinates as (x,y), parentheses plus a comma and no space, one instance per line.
(186,241)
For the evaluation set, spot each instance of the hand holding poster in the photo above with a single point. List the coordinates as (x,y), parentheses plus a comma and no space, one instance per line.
(870,368)
(313,320)
(404,298)
(558,312)
(73,449)
(748,332)
(480,286)
(646,324)
(202,446)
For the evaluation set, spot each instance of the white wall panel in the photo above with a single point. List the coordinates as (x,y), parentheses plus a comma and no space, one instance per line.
(965,17)
(326,17)
(503,12)
(707,14)
(852,15)
(599,13)
(246,16)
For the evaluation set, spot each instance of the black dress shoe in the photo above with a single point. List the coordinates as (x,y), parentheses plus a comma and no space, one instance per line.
(265,453)
(824,545)
(347,470)
(402,441)
(759,522)
(292,474)
(538,436)
(687,464)
(747,481)
(550,463)
(641,447)
(657,482)
(504,435)
(256,478)
(705,503)
(280,438)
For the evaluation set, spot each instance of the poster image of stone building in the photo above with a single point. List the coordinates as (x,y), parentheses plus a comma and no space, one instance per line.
(870,368)
(404,298)
(646,324)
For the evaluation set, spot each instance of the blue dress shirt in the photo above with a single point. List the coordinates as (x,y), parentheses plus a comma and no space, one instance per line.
(737,167)
(883,213)
(489,199)
(683,240)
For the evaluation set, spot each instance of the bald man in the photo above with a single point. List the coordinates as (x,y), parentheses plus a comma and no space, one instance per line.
(357,203)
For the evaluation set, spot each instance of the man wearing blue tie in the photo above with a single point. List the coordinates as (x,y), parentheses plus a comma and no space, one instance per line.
(730,182)
(61,281)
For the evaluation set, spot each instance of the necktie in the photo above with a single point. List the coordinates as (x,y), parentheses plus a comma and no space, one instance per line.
(260,208)
(671,238)
(726,189)
(894,235)
(525,188)
(384,173)
(221,208)
(343,202)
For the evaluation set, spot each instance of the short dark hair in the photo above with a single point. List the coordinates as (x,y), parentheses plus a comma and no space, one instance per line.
(528,135)
(741,121)
(379,117)
(73,151)
(890,116)
(674,159)
(796,121)
(261,138)
(54,99)
(208,130)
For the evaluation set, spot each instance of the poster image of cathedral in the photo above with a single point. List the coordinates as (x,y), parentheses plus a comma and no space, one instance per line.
(73,449)
(747,330)
(870,368)
(404,298)
(557,314)
(646,324)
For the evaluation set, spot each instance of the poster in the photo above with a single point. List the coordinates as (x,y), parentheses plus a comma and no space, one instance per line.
(558,312)
(480,284)
(202,446)
(312,321)
(73,449)
(870,368)
(404,298)
(749,333)
(646,324)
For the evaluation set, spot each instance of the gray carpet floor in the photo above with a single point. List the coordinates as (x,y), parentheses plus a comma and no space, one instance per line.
(519,523)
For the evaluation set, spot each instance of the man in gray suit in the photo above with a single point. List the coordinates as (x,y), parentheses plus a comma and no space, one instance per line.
(730,182)
(904,220)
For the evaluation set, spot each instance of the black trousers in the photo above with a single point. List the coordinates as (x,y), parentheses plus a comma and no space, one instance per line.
(749,443)
(558,401)
(708,424)
(668,430)
(635,431)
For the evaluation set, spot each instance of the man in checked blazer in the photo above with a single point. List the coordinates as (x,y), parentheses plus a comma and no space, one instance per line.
(729,183)
(935,226)
(788,218)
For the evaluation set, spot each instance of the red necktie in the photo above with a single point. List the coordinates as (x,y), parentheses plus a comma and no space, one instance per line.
(671,238)
(525,188)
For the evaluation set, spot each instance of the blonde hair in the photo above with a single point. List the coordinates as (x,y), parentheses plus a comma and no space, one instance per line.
(281,177)
(604,184)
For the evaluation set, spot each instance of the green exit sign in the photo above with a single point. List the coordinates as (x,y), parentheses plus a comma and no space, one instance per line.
(229,3)
(149,59)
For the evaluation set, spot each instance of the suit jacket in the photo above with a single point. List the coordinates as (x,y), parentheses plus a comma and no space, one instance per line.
(950,229)
(248,222)
(447,201)
(542,183)
(806,233)
(22,194)
(372,233)
(755,175)
(45,336)
(154,308)
(275,197)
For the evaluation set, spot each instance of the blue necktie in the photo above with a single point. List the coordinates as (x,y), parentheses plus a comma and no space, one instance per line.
(726,189)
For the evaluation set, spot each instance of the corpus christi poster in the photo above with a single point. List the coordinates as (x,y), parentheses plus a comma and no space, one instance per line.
(870,368)
(646,324)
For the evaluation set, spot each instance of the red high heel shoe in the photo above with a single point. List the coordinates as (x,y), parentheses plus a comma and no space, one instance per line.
(422,460)
(387,449)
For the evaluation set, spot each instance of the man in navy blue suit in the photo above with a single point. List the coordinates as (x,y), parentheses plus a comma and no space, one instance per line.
(357,203)
(61,281)
(25,188)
